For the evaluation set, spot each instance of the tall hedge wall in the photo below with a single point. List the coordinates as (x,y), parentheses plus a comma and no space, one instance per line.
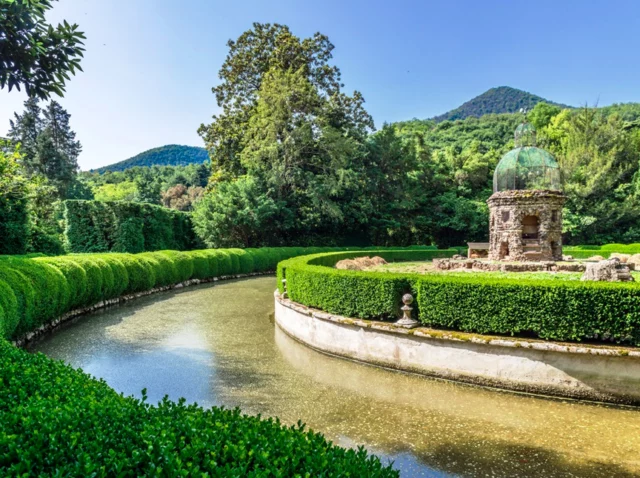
(120,226)
(548,309)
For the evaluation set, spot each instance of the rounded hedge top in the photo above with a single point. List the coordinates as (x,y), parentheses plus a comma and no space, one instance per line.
(527,167)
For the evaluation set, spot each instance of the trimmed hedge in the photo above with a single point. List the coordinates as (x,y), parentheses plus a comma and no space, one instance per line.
(586,251)
(57,421)
(548,309)
(120,226)
(312,281)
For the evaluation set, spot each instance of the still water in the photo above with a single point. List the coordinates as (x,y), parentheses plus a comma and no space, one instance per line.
(218,345)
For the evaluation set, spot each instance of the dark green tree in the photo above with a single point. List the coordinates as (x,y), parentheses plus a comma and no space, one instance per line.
(201,176)
(24,129)
(148,187)
(14,204)
(33,53)
(273,48)
(238,213)
(50,145)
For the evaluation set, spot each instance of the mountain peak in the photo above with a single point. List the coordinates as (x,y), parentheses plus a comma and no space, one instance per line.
(169,155)
(501,99)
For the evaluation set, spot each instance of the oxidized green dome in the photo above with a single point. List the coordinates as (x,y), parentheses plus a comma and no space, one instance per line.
(527,167)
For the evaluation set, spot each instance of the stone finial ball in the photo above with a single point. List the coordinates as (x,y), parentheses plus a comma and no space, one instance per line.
(407,299)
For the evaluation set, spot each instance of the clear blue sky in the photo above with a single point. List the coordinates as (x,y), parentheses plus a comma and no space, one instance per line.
(150,64)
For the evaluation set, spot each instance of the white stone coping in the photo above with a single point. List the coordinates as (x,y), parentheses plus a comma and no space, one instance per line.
(427,332)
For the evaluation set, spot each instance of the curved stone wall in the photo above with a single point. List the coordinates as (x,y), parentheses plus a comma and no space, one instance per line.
(608,374)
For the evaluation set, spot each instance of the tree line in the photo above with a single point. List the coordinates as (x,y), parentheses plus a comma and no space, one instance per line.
(296,160)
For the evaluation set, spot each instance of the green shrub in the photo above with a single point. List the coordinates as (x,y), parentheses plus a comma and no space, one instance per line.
(164,268)
(225,263)
(120,274)
(25,297)
(245,261)
(51,290)
(260,259)
(557,310)
(75,276)
(139,272)
(213,259)
(9,307)
(46,408)
(201,267)
(235,260)
(94,288)
(183,264)
(312,281)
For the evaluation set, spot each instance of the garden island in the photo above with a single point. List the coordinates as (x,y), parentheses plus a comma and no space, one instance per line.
(305,295)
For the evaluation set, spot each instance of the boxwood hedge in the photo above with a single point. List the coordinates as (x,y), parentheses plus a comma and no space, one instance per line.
(368,295)
(57,421)
(586,251)
(548,309)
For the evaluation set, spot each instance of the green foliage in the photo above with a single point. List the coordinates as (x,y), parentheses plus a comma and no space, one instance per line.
(271,49)
(546,308)
(169,155)
(124,191)
(93,226)
(502,99)
(288,144)
(49,145)
(237,213)
(46,406)
(555,310)
(14,217)
(35,54)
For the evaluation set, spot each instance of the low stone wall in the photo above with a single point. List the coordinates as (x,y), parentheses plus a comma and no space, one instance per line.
(600,373)
(485,265)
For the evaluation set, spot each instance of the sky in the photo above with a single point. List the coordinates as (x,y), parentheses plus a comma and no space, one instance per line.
(150,64)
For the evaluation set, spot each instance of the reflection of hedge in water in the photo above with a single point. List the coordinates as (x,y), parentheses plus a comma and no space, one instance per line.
(119,226)
(549,309)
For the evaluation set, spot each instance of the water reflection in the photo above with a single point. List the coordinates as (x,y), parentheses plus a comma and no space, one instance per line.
(218,345)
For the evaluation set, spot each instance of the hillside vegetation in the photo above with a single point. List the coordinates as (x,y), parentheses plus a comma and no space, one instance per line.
(169,155)
(502,99)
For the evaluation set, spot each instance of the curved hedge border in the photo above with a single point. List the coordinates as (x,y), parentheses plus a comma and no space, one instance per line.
(548,309)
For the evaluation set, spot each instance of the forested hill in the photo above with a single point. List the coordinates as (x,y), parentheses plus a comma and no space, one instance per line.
(169,155)
(503,99)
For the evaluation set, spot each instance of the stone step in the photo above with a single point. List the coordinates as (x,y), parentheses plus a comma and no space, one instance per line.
(533,256)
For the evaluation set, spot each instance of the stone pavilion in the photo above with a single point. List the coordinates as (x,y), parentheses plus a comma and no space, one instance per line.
(526,205)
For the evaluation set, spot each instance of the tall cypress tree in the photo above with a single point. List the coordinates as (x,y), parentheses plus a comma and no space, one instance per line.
(25,130)
(49,145)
